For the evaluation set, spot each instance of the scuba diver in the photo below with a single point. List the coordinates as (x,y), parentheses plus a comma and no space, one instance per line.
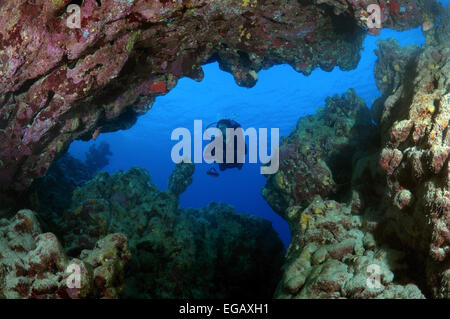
(223,125)
(212,172)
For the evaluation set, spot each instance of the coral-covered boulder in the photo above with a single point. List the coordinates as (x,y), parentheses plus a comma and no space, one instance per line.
(319,153)
(97,157)
(33,264)
(181,177)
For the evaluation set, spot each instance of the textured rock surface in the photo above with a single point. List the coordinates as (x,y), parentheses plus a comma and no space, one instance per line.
(316,158)
(334,249)
(59,84)
(416,148)
(209,253)
(33,264)
(333,255)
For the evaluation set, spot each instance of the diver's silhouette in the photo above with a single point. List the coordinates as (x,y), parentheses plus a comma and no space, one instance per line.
(212,172)
(223,125)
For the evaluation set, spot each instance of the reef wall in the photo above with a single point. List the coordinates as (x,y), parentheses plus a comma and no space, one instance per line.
(331,189)
(390,210)
(58,84)
(415,84)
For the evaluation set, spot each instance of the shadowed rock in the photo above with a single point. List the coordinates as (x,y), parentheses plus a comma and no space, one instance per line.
(213,252)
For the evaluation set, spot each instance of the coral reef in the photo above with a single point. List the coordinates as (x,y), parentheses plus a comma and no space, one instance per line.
(361,201)
(316,158)
(33,264)
(395,217)
(416,147)
(58,84)
(209,253)
(333,255)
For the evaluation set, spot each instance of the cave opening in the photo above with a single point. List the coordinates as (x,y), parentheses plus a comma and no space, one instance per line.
(280,97)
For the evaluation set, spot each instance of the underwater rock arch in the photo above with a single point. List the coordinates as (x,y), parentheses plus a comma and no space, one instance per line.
(59,84)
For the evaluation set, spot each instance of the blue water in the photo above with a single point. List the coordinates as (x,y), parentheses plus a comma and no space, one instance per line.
(279,98)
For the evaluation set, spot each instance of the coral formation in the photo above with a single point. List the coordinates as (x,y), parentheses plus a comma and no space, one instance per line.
(416,147)
(395,216)
(335,249)
(181,177)
(333,154)
(333,255)
(60,83)
(317,156)
(52,193)
(33,264)
(368,206)
(209,253)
